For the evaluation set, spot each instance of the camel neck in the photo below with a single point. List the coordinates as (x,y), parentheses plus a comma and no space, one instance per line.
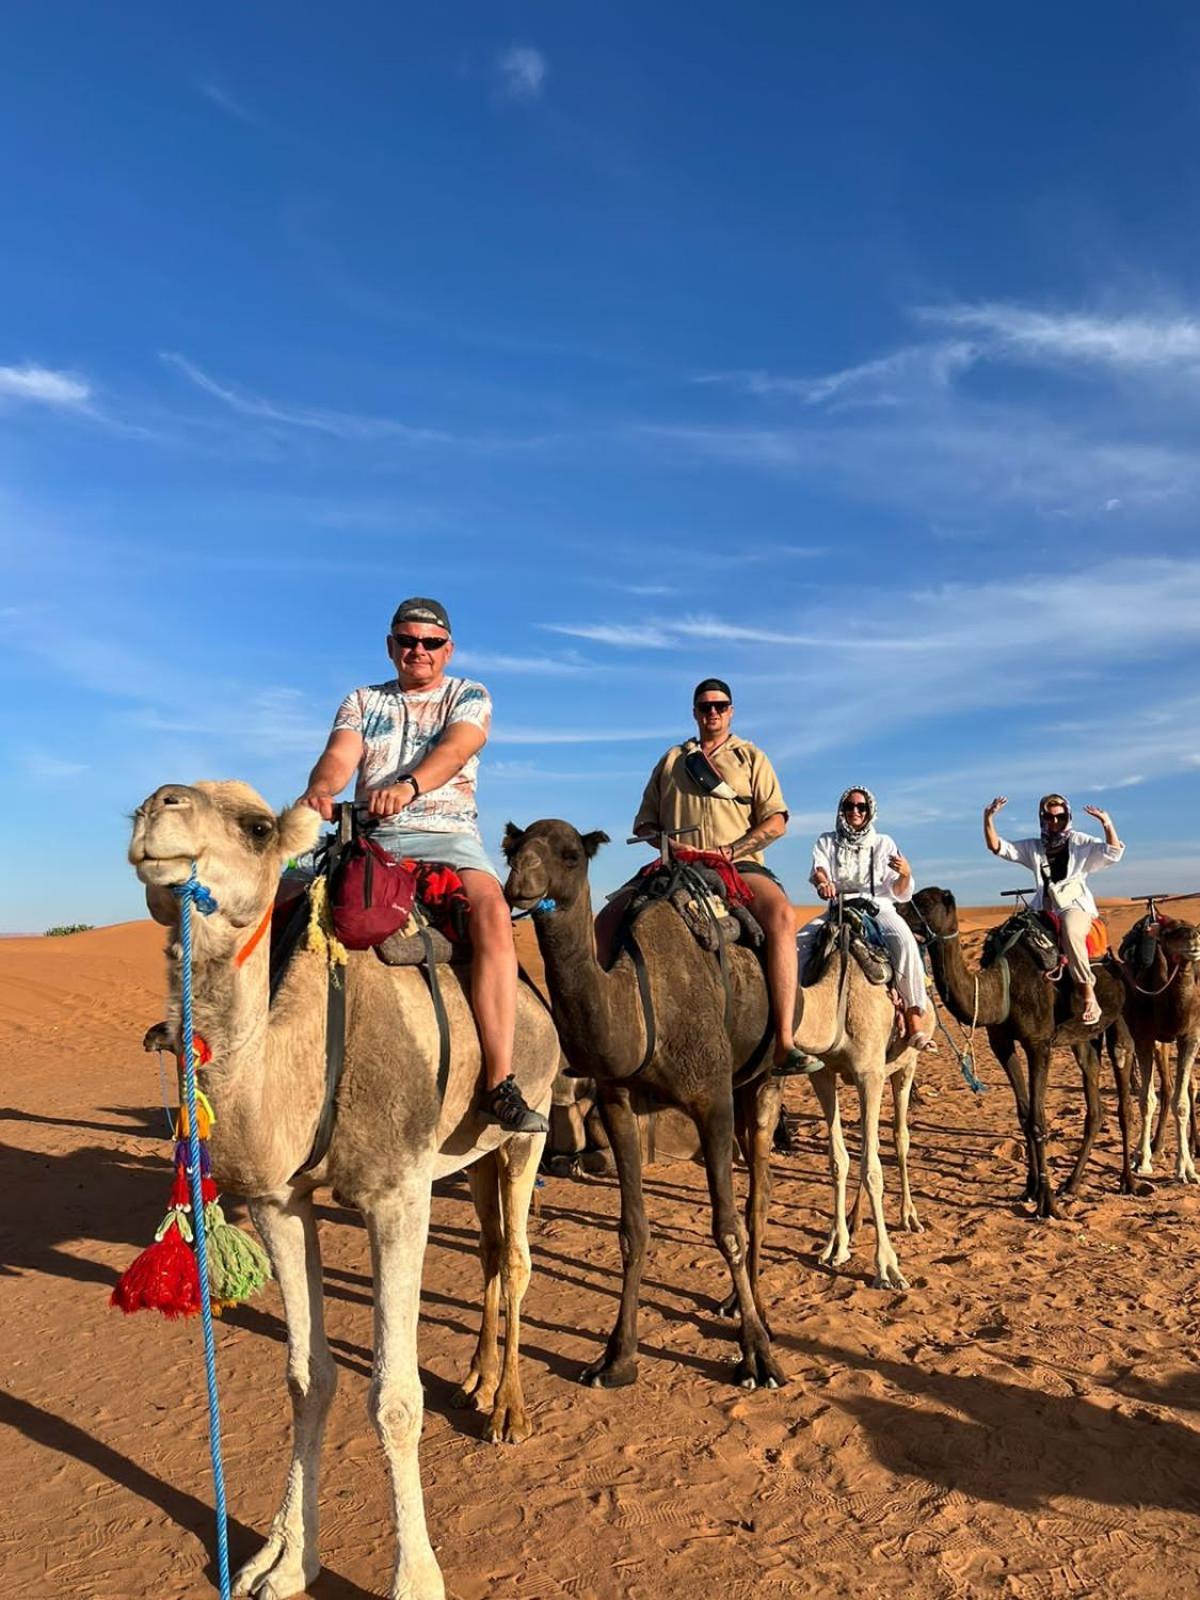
(971,996)
(596,1012)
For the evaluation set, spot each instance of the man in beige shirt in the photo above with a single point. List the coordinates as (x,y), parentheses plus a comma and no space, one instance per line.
(731,795)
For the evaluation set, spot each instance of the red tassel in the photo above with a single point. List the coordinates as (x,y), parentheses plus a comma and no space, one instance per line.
(181,1191)
(163,1278)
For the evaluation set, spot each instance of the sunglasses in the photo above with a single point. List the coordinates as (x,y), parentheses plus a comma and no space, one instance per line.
(408,641)
(1054,816)
(702,708)
(856,805)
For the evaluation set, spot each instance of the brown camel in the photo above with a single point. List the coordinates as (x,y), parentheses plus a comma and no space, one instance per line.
(1162,1005)
(1020,1010)
(391,1139)
(694,1065)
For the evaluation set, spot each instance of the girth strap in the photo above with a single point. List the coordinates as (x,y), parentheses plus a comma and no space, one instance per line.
(626,941)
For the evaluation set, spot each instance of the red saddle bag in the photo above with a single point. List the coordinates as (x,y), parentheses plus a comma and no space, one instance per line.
(372,895)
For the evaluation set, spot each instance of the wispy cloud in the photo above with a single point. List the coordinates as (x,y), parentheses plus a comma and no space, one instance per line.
(548,666)
(1132,342)
(225,101)
(520,74)
(43,386)
(625,636)
(886,381)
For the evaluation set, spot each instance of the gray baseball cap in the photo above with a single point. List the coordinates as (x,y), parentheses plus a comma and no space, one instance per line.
(418,609)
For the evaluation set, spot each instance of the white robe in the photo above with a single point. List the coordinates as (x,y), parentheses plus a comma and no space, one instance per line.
(1085,854)
(865,871)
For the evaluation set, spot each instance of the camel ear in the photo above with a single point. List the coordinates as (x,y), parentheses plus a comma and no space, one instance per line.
(298,830)
(593,841)
(511,840)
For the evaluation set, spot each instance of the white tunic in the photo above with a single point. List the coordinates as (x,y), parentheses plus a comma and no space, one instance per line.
(860,869)
(1085,854)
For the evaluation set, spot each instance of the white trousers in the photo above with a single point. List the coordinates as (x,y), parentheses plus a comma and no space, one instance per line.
(902,947)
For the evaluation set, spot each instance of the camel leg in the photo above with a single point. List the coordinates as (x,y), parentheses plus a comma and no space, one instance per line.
(1120,1044)
(1145,1055)
(398,1227)
(902,1082)
(1005,1050)
(837,1249)
(519,1159)
(758,1367)
(1039,1073)
(289,1562)
(618,1365)
(756,1114)
(1089,1066)
(1181,1105)
(870,1097)
(1166,1092)
(478,1388)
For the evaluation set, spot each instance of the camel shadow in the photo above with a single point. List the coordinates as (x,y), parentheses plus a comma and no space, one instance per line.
(1001,1441)
(190,1514)
(146,1122)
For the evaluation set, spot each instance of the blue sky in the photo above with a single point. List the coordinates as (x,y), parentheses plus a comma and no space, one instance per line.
(852,355)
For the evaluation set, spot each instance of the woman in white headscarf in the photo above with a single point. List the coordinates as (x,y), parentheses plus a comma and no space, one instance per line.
(859,862)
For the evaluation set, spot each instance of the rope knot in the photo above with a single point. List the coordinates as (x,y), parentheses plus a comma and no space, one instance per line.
(194,891)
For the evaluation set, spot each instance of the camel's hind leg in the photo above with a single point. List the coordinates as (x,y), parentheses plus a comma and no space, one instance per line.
(1181,1105)
(837,1249)
(289,1561)
(1166,1092)
(618,1365)
(902,1084)
(1149,1137)
(479,1386)
(1120,1049)
(519,1157)
(870,1096)
(1089,1065)
(756,1110)
(398,1227)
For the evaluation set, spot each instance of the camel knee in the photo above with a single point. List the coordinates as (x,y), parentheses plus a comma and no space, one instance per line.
(315,1387)
(397,1417)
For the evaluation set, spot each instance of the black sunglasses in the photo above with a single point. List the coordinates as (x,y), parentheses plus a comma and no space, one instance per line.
(1054,816)
(408,641)
(856,805)
(702,707)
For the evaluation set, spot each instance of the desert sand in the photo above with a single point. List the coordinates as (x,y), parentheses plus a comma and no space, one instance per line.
(1024,1422)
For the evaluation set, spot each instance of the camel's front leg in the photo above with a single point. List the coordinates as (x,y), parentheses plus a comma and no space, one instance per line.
(758,1366)
(478,1388)
(1004,1048)
(1120,1047)
(618,1365)
(758,1105)
(902,1082)
(870,1096)
(1039,1073)
(1181,1105)
(519,1158)
(398,1227)
(1145,1055)
(289,1561)
(837,1249)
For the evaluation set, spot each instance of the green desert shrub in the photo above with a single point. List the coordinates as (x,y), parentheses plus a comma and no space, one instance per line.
(69,927)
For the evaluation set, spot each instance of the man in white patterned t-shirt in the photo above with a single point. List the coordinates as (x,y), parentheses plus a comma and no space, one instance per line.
(414,743)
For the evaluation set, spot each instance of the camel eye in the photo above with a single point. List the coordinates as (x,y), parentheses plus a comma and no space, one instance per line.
(570,858)
(259,828)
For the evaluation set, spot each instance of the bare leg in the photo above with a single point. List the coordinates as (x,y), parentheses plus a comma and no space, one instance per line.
(618,1365)
(837,1250)
(902,1080)
(483,1375)
(870,1096)
(778,922)
(758,1366)
(493,973)
(1185,1167)
(607,924)
(519,1159)
(398,1226)
(289,1561)
(1089,1066)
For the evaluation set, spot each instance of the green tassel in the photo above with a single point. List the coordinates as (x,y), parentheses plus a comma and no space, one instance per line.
(237,1264)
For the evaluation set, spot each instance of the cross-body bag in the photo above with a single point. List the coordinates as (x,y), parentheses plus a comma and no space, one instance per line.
(1064,895)
(708,780)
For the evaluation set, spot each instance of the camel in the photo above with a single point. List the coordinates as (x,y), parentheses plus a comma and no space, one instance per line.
(391,1139)
(1162,1005)
(1020,1010)
(694,1065)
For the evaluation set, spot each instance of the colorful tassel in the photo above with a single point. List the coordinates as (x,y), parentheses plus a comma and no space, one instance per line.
(237,1264)
(164,1277)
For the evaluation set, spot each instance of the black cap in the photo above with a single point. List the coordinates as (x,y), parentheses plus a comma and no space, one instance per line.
(418,609)
(712,683)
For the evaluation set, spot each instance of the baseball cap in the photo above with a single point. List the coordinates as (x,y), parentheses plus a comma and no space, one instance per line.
(419,609)
(718,684)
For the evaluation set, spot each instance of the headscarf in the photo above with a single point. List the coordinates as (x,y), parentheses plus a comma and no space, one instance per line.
(1053,842)
(852,841)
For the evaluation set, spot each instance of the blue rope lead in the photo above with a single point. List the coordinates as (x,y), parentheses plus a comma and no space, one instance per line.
(193,893)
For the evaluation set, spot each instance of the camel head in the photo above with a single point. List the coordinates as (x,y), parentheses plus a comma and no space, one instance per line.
(548,860)
(238,844)
(931,911)
(1179,941)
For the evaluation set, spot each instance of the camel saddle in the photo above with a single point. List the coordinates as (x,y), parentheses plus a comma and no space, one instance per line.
(863,938)
(1140,945)
(1032,930)
(700,894)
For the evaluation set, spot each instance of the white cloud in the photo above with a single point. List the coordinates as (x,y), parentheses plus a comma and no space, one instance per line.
(1135,342)
(43,386)
(521,73)
(625,636)
(224,101)
(886,381)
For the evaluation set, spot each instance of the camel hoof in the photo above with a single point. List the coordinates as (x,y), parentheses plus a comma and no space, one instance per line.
(913,1224)
(1144,1169)
(758,1369)
(830,1257)
(609,1375)
(890,1278)
(423,1582)
(729,1308)
(1187,1176)
(274,1574)
(508,1425)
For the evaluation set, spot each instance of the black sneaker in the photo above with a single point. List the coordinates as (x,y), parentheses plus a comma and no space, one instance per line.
(505,1104)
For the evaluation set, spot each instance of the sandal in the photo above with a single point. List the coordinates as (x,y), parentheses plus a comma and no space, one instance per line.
(795,1064)
(1091,1013)
(505,1104)
(920,1041)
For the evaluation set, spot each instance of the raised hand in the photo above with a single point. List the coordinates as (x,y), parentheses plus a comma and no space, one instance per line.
(1098,812)
(997,804)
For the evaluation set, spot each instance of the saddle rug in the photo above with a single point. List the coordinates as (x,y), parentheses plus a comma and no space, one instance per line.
(864,940)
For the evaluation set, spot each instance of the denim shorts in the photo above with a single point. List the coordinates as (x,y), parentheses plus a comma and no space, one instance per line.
(457,850)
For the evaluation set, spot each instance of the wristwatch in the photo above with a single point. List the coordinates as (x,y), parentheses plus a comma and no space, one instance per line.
(407,777)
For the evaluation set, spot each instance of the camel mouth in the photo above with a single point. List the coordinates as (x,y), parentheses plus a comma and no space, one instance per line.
(161,871)
(524,902)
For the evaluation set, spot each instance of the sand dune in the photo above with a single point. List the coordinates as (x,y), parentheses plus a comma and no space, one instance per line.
(1023,1423)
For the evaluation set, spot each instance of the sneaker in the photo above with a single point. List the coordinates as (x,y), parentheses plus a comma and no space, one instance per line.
(505,1104)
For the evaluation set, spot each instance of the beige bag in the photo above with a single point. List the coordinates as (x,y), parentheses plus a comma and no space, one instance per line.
(1067,894)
